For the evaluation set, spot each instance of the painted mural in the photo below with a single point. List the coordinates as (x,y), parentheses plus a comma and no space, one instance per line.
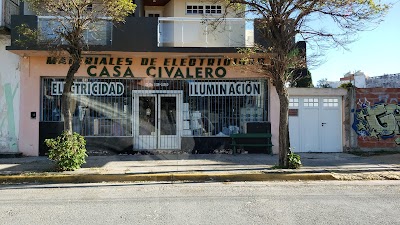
(380,120)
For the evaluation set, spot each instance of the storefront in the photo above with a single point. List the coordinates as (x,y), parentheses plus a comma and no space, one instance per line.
(124,104)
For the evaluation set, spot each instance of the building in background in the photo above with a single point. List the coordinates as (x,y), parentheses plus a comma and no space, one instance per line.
(357,79)
(360,80)
(384,81)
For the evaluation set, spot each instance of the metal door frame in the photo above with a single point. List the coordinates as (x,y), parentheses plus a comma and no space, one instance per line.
(158,94)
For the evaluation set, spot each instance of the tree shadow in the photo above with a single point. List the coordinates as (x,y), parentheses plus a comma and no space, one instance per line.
(172,163)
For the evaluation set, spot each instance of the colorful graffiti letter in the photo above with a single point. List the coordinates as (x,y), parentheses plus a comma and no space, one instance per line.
(380,121)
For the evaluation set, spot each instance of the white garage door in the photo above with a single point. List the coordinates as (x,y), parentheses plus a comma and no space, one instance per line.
(315,124)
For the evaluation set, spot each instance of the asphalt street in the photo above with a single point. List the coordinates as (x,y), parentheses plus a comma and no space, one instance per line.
(327,202)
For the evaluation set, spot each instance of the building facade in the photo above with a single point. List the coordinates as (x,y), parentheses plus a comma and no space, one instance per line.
(166,79)
(171,86)
(124,103)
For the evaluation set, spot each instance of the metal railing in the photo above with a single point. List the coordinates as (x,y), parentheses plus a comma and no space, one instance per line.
(11,7)
(99,33)
(200,32)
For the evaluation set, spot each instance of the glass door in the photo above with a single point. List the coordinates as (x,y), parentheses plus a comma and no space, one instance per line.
(145,120)
(167,122)
(156,122)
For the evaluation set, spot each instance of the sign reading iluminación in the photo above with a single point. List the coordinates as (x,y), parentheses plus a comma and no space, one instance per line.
(225,89)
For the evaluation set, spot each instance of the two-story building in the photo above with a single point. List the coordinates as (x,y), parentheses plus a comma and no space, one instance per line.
(166,79)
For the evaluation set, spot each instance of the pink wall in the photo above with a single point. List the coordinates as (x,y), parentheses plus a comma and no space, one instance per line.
(32,68)
(29,102)
(274,106)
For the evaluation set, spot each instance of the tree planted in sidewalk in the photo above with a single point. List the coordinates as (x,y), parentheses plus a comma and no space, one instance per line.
(69,22)
(321,23)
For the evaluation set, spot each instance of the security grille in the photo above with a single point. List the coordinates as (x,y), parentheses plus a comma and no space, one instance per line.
(104,107)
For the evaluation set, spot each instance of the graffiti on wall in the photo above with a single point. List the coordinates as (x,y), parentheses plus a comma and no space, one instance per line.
(380,120)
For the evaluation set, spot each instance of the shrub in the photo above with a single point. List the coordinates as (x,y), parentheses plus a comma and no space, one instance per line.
(68,151)
(294,161)
(346,85)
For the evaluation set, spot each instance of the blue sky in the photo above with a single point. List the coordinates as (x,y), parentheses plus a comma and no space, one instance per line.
(376,52)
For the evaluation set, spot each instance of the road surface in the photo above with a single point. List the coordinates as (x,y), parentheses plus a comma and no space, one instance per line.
(371,202)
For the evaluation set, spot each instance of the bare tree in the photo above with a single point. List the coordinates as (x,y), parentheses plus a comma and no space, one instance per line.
(323,83)
(324,23)
(71,20)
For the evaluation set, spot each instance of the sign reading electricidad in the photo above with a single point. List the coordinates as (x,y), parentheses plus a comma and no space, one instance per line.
(90,88)
(225,89)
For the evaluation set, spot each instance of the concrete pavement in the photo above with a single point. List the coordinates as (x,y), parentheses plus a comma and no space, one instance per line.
(201,168)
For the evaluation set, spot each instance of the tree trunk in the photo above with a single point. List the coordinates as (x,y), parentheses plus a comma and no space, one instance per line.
(283,124)
(67,96)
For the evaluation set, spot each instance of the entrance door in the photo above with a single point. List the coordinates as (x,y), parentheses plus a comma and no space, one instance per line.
(156,121)
(167,122)
(331,125)
(309,138)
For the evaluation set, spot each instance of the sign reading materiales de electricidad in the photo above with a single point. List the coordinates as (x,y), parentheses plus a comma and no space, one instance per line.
(176,68)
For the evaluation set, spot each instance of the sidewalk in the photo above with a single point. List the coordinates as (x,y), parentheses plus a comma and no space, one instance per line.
(201,168)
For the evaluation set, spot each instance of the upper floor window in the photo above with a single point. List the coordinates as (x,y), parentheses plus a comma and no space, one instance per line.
(154,15)
(203,9)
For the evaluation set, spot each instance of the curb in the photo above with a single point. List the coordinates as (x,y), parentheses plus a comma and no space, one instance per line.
(167,177)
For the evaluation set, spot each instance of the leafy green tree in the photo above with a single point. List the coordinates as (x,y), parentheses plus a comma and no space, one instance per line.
(282,20)
(302,78)
(72,18)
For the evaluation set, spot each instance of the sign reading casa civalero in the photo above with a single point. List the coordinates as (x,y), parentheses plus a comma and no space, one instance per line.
(177,68)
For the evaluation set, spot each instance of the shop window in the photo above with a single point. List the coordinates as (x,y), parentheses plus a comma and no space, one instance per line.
(204,112)
(223,114)
(94,114)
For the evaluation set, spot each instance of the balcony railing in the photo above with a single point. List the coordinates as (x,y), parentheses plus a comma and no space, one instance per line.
(99,33)
(145,34)
(198,32)
(11,7)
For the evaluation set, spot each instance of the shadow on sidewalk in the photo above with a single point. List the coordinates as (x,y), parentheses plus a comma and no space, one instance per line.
(143,164)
